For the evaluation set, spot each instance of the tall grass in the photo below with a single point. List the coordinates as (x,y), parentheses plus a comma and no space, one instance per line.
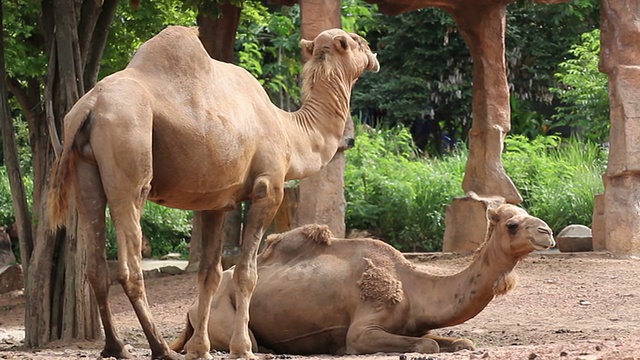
(557,179)
(399,196)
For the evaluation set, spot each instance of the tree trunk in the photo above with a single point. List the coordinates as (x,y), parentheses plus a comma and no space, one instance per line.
(10,150)
(59,302)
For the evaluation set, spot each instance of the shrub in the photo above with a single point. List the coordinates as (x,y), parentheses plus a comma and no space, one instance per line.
(557,179)
(401,197)
(397,195)
(168,231)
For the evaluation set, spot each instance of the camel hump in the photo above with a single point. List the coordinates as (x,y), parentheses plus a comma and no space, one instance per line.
(297,240)
(379,283)
(175,52)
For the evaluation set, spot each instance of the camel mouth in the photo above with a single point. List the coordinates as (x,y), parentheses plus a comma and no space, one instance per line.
(543,244)
(373,65)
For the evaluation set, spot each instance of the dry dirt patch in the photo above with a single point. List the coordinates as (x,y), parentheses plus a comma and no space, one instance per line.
(581,306)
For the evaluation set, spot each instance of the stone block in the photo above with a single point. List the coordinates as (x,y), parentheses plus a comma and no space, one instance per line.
(466,222)
(624,153)
(11,278)
(575,238)
(6,254)
(622,223)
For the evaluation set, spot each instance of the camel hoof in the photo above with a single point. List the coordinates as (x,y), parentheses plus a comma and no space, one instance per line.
(169,355)
(118,354)
(194,356)
(462,344)
(427,346)
(245,355)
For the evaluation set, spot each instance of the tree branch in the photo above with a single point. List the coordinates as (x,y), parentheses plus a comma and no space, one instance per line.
(48,105)
(101,33)
(89,15)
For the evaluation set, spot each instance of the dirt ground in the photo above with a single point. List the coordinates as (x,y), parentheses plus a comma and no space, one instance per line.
(566,306)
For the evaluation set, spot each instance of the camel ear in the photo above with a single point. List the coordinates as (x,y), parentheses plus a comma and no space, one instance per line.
(340,41)
(307,46)
(493,215)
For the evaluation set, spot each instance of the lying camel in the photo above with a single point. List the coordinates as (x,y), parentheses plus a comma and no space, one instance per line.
(186,131)
(321,295)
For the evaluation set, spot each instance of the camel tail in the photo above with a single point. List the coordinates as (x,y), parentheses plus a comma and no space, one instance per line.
(178,344)
(63,168)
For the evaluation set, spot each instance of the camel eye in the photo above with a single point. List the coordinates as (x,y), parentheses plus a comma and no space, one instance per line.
(512,225)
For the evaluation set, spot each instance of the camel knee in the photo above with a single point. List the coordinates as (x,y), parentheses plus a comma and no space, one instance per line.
(132,285)
(209,276)
(245,277)
(264,188)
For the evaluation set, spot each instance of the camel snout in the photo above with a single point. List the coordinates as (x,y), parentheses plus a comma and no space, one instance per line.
(544,230)
(545,242)
(374,65)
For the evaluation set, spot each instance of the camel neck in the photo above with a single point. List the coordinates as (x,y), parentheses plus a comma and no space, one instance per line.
(454,299)
(319,123)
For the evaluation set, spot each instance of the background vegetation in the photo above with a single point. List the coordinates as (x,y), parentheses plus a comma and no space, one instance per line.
(401,197)
(409,159)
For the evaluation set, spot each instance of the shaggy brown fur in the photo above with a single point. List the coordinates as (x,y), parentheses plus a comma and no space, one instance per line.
(380,285)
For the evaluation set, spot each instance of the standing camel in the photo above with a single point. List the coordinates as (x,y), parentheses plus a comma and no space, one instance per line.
(183,130)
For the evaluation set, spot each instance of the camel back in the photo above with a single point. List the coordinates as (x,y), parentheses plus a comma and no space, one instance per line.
(176,52)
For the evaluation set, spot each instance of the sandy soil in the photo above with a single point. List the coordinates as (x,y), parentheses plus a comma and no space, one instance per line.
(567,306)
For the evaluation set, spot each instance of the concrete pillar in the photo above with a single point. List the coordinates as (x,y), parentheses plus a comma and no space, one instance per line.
(620,59)
(483,28)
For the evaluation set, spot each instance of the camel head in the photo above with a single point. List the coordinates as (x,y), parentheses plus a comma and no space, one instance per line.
(338,49)
(518,232)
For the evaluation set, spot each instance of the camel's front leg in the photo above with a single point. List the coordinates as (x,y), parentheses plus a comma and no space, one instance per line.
(369,338)
(267,196)
(449,344)
(209,274)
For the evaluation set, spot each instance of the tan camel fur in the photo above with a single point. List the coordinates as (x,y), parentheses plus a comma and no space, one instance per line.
(321,295)
(183,130)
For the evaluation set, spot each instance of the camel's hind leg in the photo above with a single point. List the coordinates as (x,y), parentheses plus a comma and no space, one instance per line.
(91,202)
(209,275)
(126,173)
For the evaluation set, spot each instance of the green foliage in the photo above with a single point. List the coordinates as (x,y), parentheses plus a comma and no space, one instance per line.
(583,90)
(168,231)
(7,215)
(401,197)
(557,179)
(131,28)
(267,47)
(23,57)
(359,17)
(425,68)
(426,73)
(396,194)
